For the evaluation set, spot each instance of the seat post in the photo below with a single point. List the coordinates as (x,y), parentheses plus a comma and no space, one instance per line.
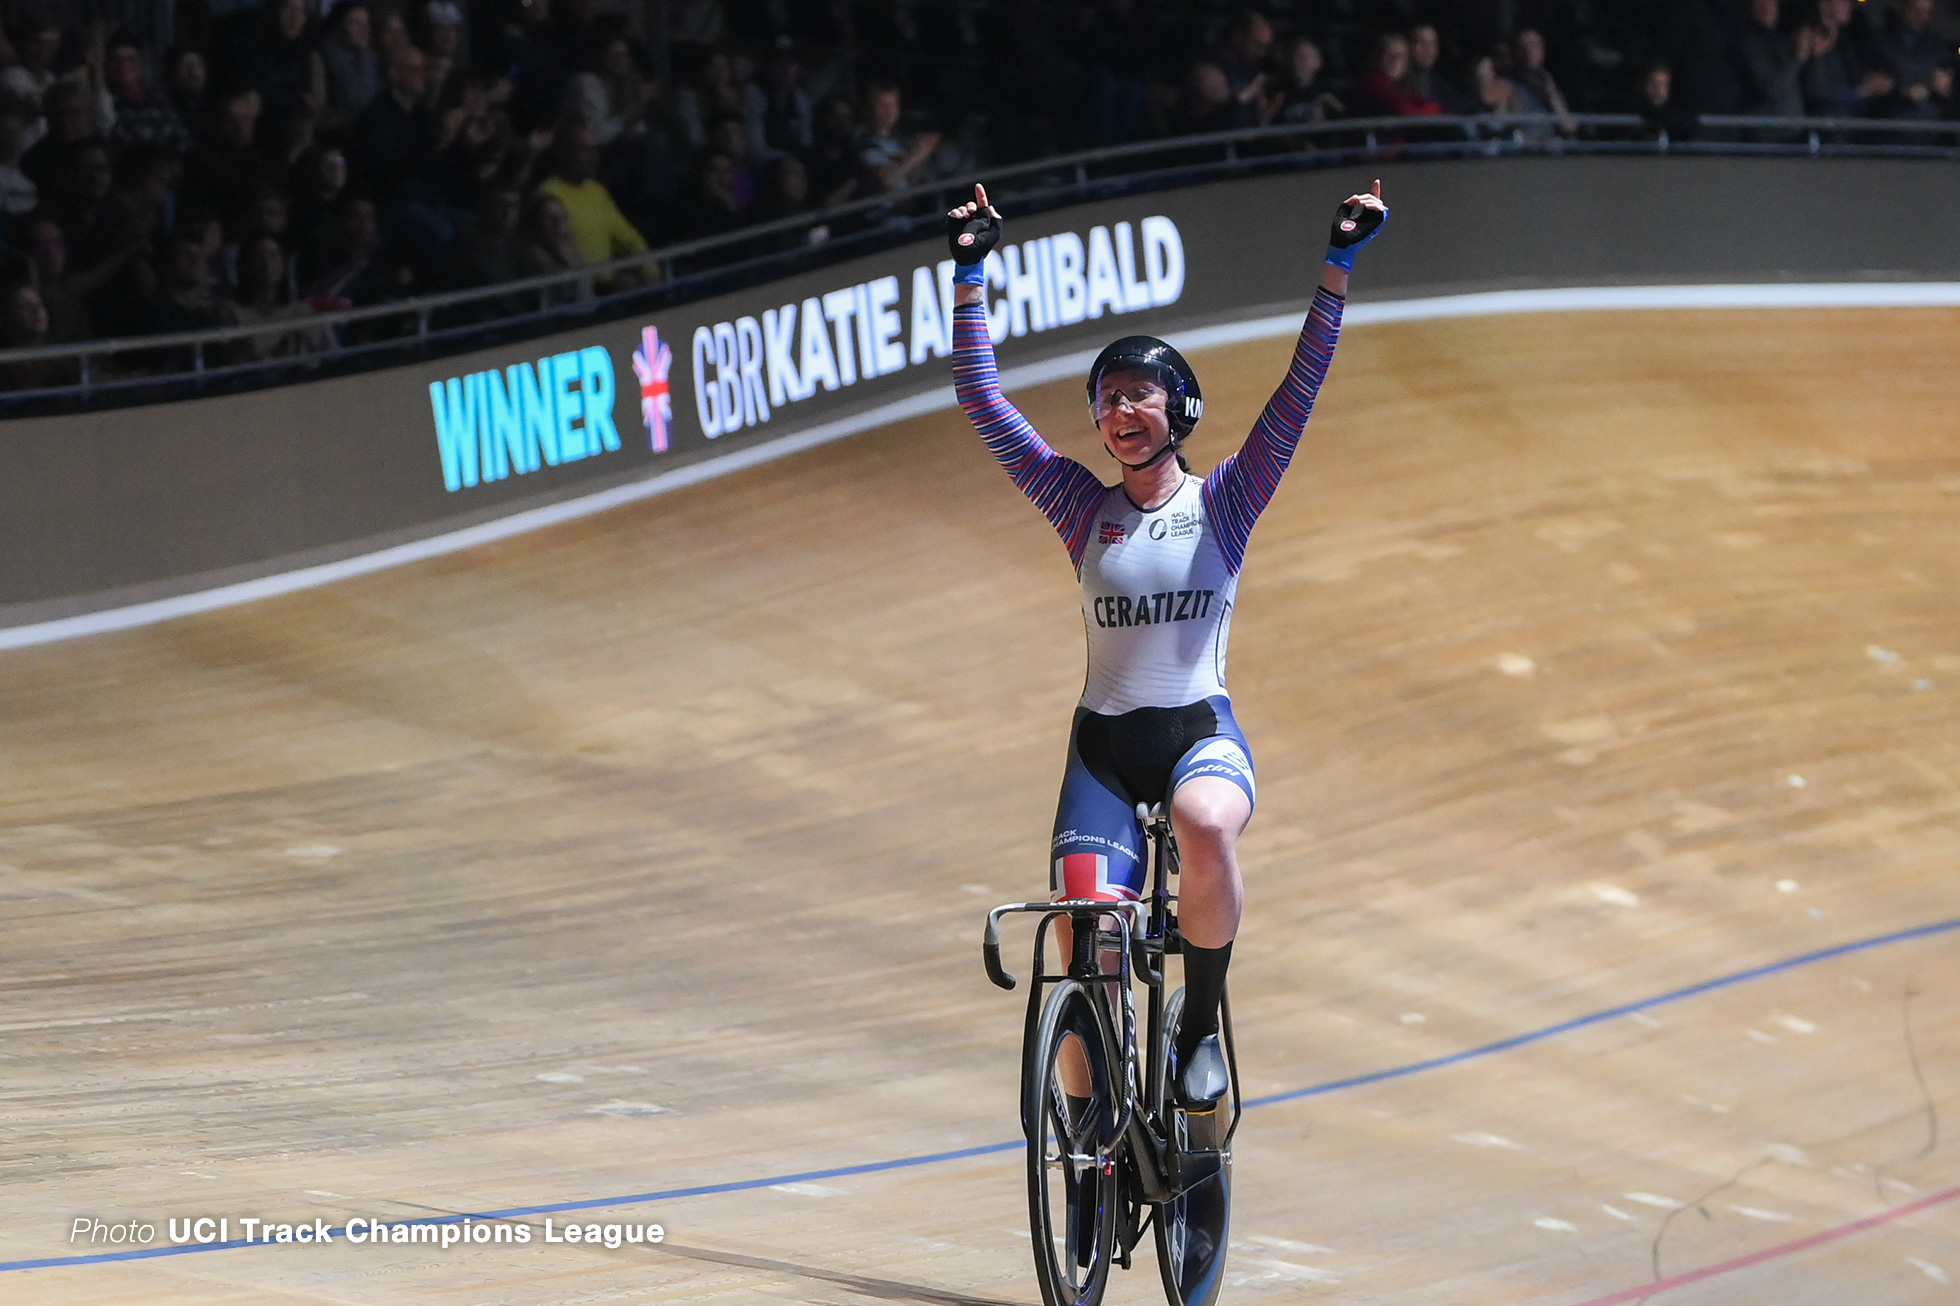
(1082,940)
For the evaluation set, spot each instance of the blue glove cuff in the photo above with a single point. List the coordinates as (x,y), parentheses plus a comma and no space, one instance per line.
(1342,258)
(970,274)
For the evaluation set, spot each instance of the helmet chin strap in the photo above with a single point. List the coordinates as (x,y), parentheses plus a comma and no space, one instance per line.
(1170,447)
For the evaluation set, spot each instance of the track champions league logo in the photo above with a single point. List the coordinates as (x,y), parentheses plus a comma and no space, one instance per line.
(466,1232)
(502,422)
(747,370)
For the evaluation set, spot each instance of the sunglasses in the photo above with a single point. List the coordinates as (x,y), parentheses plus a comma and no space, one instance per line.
(1142,394)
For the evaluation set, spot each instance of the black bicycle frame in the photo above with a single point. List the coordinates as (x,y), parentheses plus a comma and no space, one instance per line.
(1146,933)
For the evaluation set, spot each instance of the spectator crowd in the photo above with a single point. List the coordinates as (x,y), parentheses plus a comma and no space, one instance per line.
(277,158)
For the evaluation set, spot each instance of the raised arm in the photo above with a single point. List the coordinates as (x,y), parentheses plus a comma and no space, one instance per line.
(1239,488)
(1067,493)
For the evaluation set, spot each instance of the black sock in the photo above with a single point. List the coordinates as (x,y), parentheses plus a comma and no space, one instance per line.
(1204,983)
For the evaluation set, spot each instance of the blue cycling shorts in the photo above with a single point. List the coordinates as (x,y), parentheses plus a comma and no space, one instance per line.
(1116,762)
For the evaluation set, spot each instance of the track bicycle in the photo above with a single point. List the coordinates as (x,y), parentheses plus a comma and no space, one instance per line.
(1108,1164)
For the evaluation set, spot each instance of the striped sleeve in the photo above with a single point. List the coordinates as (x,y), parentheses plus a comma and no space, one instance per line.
(1239,488)
(1067,493)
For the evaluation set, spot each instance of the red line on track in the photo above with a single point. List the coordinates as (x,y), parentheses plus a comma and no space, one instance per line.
(1646,1290)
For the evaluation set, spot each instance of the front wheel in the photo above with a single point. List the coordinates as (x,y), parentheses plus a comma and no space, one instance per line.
(1072,1109)
(1193,1227)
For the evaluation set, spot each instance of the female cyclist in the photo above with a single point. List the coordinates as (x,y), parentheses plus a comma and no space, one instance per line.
(1158,555)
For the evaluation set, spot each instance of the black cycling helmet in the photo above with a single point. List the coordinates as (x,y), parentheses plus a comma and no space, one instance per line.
(1147,354)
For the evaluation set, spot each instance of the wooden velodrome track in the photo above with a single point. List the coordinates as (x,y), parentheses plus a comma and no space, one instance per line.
(1587,658)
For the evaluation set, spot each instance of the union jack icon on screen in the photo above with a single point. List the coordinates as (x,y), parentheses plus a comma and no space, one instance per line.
(651,362)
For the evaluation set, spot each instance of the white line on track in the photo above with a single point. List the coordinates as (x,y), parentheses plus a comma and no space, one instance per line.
(1576,299)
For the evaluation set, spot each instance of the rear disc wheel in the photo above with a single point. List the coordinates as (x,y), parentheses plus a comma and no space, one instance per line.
(1194,1227)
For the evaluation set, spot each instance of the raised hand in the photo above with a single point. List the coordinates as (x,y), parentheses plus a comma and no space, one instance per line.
(1358,219)
(1356,222)
(972,229)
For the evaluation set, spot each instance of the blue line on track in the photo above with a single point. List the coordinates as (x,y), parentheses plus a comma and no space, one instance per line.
(1611,1013)
(964,1153)
(511,1213)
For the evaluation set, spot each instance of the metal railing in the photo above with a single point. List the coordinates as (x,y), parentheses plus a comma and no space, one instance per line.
(1817,135)
(188,361)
